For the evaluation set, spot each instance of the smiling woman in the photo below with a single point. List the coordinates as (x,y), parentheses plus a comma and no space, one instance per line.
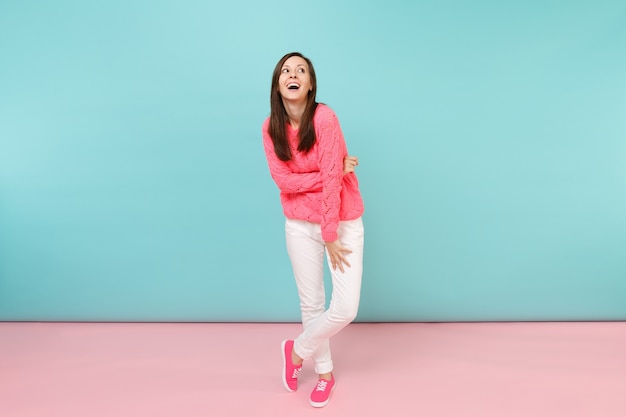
(308,160)
(293,84)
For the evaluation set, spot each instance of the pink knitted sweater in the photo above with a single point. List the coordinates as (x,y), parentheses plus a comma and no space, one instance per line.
(312,185)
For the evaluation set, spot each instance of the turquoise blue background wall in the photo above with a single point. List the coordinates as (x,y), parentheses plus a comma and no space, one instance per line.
(491,135)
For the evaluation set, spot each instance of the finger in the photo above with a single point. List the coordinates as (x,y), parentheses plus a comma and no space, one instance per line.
(336,261)
(345,261)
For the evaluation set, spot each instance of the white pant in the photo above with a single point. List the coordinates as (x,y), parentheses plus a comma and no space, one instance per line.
(306,250)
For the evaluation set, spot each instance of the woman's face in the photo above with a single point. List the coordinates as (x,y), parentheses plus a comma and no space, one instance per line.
(294,82)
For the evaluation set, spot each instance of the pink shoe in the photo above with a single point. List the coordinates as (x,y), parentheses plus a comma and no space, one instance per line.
(290,371)
(321,394)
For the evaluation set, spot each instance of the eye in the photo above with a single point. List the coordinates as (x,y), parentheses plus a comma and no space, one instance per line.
(285,70)
(301,70)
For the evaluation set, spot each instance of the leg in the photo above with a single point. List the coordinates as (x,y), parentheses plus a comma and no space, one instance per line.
(305,247)
(345,298)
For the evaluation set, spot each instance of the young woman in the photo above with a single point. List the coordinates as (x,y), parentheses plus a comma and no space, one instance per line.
(319,192)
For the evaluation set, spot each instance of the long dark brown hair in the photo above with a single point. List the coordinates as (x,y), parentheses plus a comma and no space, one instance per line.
(279,118)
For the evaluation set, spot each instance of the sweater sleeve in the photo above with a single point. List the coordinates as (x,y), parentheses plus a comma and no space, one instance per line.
(332,151)
(287,180)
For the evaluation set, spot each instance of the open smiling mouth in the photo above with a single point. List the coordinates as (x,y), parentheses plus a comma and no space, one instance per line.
(293,86)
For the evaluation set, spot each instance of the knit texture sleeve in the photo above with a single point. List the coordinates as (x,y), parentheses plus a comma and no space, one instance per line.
(287,180)
(332,150)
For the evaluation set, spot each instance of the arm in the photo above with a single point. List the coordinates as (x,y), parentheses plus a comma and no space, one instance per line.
(291,182)
(286,180)
(332,152)
(334,165)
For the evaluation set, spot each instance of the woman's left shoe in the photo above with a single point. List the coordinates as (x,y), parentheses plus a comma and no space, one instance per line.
(321,394)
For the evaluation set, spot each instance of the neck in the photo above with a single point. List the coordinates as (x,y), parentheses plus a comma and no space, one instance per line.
(295,112)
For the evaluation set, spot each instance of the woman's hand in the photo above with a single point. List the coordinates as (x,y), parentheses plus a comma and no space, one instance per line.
(349,164)
(337,254)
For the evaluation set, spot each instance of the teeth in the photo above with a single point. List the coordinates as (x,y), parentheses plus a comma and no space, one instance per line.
(293,86)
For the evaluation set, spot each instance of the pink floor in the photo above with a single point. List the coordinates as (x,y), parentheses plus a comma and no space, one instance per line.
(402,369)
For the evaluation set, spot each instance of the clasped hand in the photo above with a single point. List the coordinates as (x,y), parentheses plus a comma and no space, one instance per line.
(349,164)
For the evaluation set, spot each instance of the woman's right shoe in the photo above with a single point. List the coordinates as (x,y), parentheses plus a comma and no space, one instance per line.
(290,371)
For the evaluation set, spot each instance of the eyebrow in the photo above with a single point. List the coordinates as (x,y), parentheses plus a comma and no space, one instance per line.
(289,66)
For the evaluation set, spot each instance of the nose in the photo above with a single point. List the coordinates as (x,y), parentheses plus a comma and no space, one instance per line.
(292,75)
